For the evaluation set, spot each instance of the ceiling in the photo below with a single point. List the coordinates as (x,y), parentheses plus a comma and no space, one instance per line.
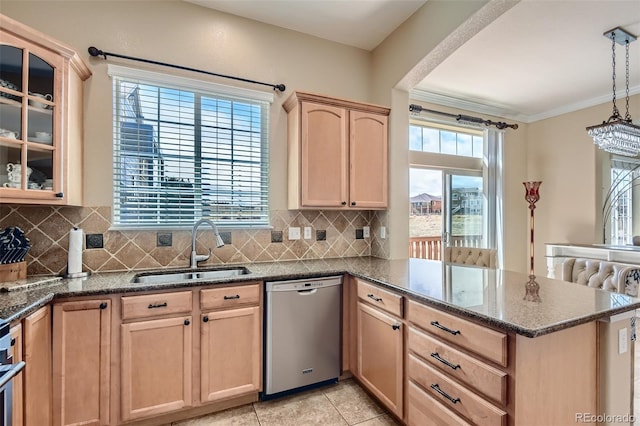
(539,59)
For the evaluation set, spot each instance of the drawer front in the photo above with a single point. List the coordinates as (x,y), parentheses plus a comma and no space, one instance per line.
(380,298)
(488,343)
(426,411)
(488,380)
(229,297)
(455,396)
(151,305)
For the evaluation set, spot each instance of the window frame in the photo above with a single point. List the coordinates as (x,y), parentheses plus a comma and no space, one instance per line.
(199,89)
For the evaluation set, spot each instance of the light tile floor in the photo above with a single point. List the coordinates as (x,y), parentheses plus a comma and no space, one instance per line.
(344,403)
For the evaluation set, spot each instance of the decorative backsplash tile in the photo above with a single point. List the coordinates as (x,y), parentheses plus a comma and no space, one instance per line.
(48,229)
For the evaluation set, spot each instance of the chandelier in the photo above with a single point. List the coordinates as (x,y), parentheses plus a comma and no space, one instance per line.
(618,134)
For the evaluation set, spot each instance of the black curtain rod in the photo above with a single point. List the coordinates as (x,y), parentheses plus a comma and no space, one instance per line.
(94,51)
(464,118)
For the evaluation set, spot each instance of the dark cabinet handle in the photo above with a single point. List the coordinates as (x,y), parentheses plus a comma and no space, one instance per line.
(396,326)
(344,203)
(60,195)
(13,342)
(103,305)
(443,393)
(442,327)
(376,299)
(205,319)
(158,305)
(187,322)
(436,355)
(353,203)
(237,296)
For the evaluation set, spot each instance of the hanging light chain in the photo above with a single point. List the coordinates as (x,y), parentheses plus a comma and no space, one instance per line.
(627,116)
(616,113)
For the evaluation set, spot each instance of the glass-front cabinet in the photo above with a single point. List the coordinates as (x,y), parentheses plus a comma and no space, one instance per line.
(40,118)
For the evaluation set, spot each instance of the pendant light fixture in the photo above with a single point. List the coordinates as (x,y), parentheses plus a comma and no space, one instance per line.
(618,134)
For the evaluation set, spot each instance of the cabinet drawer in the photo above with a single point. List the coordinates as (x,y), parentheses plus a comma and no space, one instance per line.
(486,379)
(455,396)
(382,299)
(426,411)
(488,343)
(228,297)
(151,305)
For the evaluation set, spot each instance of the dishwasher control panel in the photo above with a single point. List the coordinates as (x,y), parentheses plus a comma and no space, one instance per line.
(305,284)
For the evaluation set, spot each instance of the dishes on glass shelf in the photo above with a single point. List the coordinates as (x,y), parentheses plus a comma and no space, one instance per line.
(8,85)
(8,134)
(42,137)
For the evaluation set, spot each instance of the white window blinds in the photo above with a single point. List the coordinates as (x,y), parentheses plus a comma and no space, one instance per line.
(186,150)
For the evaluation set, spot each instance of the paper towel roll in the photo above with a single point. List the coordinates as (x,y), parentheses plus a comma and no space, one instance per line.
(74,264)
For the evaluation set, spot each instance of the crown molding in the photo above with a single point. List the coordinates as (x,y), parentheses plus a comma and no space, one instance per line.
(503,112)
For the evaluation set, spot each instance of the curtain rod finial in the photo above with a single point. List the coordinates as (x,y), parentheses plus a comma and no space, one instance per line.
(280,87)
(94,51)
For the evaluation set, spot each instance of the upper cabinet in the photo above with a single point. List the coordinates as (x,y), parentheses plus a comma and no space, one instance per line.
(41,127)
(337,153)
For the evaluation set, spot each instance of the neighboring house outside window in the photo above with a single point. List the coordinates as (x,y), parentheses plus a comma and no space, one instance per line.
(185,150)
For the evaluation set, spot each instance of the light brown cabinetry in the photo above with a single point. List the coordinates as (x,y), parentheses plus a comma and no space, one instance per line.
(17,405)
(81,362)
(155,358)
(337,153)
(230,342)
(380,354)
(41,127)
(37,372)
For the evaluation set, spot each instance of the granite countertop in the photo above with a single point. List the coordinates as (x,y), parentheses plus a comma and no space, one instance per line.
(490,296)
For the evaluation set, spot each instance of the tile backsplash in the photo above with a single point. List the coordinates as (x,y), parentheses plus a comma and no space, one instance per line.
(333,235)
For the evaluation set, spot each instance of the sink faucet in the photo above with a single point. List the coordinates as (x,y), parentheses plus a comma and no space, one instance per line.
(195,258)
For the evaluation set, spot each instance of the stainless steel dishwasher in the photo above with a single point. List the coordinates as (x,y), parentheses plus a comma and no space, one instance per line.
(302,330)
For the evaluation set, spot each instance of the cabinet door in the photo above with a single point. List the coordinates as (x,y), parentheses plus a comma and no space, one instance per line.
(230,353)
(18,382)
(324,156)
(368,160)
(380,355)
(81,362)
(155,367)
(37,372)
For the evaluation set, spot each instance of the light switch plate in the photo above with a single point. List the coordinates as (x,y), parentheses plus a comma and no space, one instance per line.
(294,233)
(622,340)
(307,232)
(383,232)
(365,231)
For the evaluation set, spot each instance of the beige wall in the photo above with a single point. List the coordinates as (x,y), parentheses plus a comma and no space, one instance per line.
(564,158)
(185,34)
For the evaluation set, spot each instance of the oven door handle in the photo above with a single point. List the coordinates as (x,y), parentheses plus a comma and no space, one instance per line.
(10,374)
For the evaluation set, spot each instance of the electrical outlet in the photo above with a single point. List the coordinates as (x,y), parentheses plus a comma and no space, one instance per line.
(294,233)
(622,340)
(365,231)
(307,232)
(383,232)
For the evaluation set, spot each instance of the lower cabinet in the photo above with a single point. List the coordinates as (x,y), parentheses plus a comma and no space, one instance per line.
(17,405)
(380,355)
(81,362)
(155,366)
(230,348)
(37,372)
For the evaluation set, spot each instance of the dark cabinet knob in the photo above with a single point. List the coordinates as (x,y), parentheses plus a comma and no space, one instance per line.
(187,322)
(60,195)
(396,326)
(205,319)
(103,305)
(13,342)
(344,203)
(353,203)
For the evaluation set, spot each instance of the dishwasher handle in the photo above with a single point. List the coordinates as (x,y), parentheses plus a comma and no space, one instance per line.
(307,292)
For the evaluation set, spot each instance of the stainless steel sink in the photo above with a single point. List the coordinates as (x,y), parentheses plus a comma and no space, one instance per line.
(176,277)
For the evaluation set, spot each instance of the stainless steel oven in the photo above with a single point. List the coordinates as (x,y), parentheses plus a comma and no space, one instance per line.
(8,371)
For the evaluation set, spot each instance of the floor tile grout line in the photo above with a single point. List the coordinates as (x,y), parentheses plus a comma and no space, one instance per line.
(336,408)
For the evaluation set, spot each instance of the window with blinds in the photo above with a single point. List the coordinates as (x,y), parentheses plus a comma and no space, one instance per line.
(185,150)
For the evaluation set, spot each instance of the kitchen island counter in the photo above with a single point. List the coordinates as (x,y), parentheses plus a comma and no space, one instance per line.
(493,297)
